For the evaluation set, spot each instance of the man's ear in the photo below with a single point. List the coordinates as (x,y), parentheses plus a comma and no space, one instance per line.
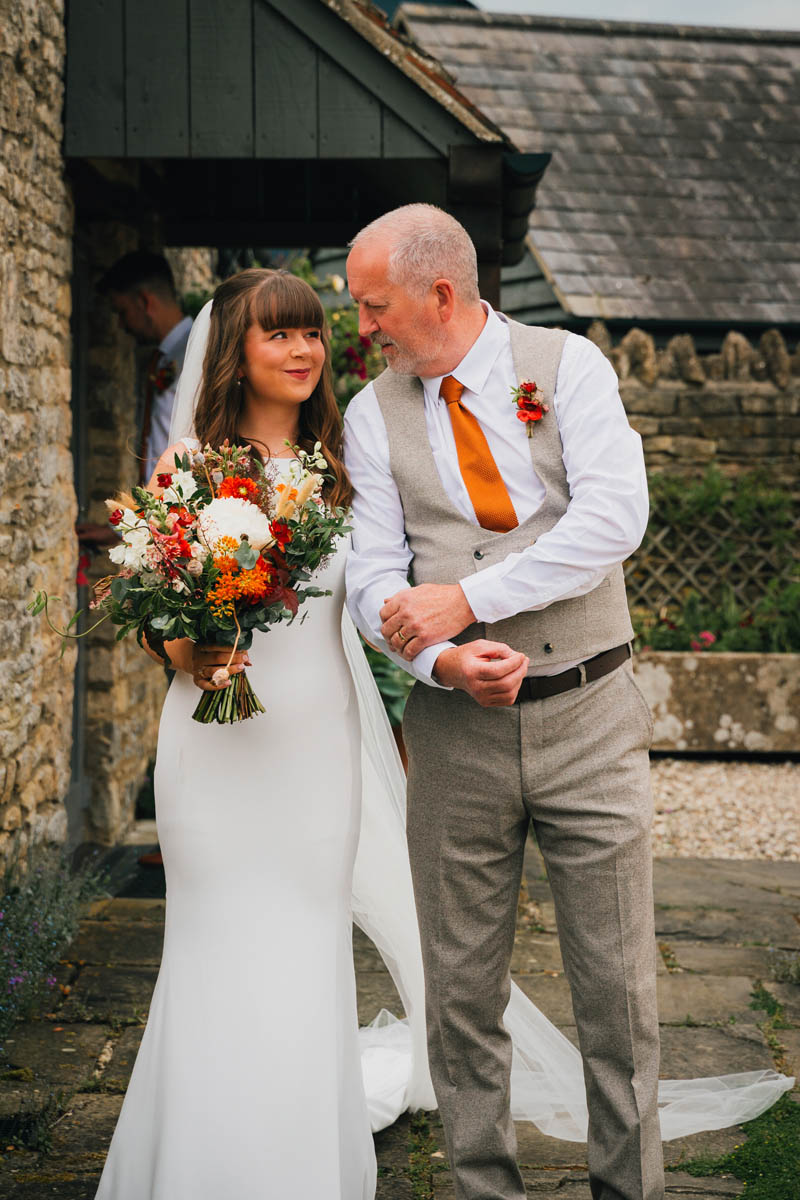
(445,296)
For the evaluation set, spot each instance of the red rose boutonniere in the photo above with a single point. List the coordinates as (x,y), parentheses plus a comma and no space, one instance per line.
(529,401)
(164,377)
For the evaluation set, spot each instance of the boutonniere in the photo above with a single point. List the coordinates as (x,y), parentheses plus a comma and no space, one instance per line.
(529,400)
(164,377)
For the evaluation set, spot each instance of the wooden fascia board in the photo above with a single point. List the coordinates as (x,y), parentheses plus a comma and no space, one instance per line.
(407,99)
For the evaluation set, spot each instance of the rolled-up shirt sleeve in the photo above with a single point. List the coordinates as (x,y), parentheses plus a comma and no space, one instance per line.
(607,513)
(378,563)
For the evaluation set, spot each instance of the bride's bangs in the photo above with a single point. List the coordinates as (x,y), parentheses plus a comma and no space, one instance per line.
(286,302)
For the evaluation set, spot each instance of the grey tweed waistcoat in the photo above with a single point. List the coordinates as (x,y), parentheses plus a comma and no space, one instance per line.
(447,547)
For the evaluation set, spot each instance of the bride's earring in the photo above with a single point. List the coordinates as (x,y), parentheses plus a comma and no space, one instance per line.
(239,381)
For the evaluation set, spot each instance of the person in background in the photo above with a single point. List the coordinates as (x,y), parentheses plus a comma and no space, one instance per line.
(141,290)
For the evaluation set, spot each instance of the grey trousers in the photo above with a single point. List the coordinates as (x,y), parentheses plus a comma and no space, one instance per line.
(577,766)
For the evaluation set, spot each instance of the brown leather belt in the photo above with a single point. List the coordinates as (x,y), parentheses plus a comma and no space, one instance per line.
(539,687)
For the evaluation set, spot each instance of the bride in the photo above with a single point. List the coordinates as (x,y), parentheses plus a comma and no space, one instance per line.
(252,1077)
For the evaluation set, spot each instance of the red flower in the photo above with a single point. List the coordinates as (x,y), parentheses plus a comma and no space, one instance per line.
(116,516)
(80,575)
(281,532)
(164,479)
(530,403)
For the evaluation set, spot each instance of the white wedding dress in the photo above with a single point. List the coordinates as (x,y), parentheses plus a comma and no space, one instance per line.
(252,1079)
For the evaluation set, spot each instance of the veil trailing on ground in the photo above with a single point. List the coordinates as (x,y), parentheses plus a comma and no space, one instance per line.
(547,1085)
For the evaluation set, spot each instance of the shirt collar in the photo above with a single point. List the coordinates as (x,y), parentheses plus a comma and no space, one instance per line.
(178,333)
(476,365)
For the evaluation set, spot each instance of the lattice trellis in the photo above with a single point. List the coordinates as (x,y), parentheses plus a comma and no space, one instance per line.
(674,560)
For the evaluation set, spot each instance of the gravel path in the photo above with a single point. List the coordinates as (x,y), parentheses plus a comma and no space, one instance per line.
(726,809)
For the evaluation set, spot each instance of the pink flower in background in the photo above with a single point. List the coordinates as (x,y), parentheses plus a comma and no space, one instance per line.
(704,639)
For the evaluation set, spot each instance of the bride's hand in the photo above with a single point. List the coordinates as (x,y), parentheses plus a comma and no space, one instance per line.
(205,660)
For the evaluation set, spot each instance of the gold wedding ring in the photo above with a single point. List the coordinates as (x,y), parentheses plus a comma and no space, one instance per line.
(401,635)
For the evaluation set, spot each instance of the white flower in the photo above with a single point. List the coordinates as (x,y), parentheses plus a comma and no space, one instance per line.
(183,480)
(232,517)
(199,553)
(131,551)
(337,283)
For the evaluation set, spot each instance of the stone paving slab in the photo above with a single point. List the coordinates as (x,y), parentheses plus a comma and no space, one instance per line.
(375,990)
(726,883)
(765,928)
(753,961)
(103,992)
(704,998)
(699,1053)
(123,908)
(111,941)
(64,1055)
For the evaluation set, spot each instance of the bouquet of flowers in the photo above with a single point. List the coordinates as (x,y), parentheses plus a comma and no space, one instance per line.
(223,550)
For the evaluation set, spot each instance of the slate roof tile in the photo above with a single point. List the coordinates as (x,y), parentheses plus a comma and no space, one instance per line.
(676,156)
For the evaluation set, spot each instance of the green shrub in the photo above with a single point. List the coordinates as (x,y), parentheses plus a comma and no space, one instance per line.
(772,626)
(41,904)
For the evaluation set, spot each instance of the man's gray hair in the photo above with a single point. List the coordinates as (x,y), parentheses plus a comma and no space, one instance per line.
(426,244)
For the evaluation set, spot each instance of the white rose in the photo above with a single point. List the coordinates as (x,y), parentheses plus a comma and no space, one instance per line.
(131,551)
(183,480)
(232,517)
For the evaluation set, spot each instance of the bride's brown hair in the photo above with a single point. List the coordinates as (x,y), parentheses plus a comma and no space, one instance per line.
(273,300)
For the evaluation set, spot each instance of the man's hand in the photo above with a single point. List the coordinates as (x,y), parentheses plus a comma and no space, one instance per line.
(490,672)
(421,616)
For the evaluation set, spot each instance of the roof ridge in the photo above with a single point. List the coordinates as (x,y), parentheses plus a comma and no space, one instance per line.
(466,16)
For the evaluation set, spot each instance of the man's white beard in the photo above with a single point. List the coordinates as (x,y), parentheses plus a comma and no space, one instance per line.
(413,360)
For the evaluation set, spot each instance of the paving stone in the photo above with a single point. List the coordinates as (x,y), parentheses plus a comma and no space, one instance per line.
(790,1040)
(82,1137)
(103,992)
(712,1143)
(391,1145)
(38,1181)
(23,1096)
(118,1072)
(788,994)
(727,884)
(551,995)
(705,998)
(765,928)
(711,959)
(111,942)
(365,954)
(535,1150)
(394,1187)
(697,1053)
(681,1186)
(65,1055)
(535,951)
(375,990)
(126,909)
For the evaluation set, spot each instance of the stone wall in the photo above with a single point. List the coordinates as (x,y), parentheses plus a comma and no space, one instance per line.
(740,407)
(37,500)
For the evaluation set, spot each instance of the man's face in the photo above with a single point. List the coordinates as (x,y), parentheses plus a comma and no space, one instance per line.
(406,327)
(133,310)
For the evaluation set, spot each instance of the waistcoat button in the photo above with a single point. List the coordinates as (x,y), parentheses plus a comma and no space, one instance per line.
(477,554)
(548,649)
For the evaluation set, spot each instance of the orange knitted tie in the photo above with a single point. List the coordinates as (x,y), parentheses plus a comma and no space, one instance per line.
(488,493)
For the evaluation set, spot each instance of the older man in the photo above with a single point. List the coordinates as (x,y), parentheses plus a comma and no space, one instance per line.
(494,462)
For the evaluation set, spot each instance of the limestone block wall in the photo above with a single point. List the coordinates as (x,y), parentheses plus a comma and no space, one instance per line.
(37,500)
(740,407)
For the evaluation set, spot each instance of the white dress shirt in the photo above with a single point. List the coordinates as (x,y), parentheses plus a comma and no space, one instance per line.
(604,522)
(172,349)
